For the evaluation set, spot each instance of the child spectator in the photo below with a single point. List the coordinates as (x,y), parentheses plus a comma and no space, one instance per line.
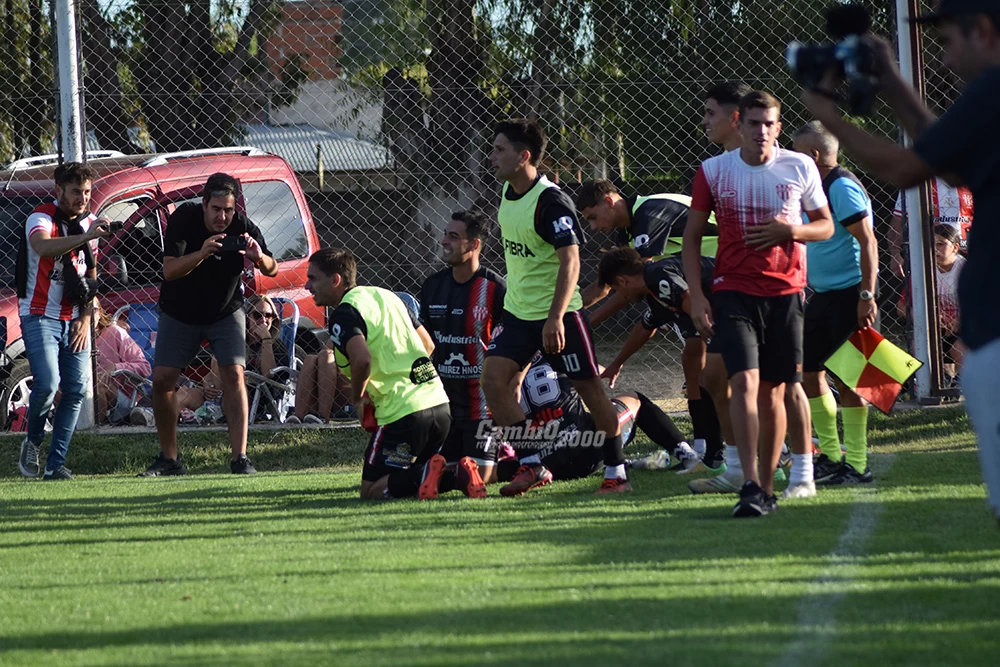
(949,263)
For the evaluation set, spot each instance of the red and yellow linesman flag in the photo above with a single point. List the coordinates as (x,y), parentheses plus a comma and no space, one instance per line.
(873,368)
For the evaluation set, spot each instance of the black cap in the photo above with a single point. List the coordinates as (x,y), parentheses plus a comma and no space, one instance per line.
(948,9)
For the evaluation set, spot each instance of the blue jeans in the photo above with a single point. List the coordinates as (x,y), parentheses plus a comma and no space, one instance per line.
(54,367)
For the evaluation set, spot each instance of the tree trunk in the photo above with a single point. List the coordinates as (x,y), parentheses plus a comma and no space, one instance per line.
(103,99)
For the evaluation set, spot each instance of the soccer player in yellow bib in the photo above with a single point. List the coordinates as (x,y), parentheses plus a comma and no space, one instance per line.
(386,356)
(543,309)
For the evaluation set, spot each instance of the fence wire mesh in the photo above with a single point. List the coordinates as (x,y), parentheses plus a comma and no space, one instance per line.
(383,110)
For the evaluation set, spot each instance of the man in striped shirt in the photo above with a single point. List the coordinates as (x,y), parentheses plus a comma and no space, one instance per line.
(57,252)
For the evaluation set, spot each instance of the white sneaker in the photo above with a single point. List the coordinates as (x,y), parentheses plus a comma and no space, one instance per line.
(691,464)
(141,417)
(656,461)
(800,490)
(719,484)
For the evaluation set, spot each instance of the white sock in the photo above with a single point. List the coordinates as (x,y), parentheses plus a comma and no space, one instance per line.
(685,452)
(733,466)
(614,472)
(700,447)
(533,460)
(802,469)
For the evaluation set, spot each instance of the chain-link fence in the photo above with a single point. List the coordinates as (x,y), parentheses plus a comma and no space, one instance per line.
(383,111)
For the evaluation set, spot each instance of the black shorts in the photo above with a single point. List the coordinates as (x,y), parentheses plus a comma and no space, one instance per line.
(519,340)
(470,437)
(830,319)
(574,462)
(762,332)
(409,441)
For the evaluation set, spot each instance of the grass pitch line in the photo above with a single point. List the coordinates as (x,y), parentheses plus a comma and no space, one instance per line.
(817,622)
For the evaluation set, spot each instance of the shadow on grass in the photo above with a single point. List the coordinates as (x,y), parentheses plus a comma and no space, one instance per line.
(638,629)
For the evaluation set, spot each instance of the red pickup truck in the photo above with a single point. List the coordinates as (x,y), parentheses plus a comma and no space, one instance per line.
(141,191)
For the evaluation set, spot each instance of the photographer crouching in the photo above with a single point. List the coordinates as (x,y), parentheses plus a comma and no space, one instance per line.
(56,284)
(963,148)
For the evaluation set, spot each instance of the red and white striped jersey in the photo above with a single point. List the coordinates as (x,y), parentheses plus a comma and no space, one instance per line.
(44,294)
(742,196)
(950,205)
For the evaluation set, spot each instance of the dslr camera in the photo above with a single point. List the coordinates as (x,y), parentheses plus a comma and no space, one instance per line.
(850,55)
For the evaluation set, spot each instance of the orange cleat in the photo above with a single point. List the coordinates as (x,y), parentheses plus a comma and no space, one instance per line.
(468,480)
(527,478)
(432,476)
(616,485)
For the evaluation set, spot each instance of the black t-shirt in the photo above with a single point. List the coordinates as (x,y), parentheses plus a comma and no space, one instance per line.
(214,289)
(548,396)
(652,223)
(965,142)
(460,318)
(666,284)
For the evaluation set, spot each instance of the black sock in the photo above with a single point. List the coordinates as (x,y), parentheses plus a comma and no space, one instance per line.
(706,425)
(614,451)
(506,469)
(447,481)
(406,483)
(657,424)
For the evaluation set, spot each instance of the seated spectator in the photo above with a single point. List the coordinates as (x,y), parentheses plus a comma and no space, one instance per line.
(265,349)
(947,243)
(322,392)
(116,351)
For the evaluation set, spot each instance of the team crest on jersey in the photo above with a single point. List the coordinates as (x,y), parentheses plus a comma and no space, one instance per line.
(480,313)
(785,191)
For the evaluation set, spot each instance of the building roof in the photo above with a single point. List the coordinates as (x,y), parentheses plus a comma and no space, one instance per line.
(297,144)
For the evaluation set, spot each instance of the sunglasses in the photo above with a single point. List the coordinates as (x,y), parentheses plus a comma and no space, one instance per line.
(257,315)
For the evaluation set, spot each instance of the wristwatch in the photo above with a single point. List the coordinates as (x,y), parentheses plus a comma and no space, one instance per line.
(867,295)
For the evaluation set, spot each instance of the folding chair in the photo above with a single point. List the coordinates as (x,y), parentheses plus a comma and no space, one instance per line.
(142,319)
(274,394)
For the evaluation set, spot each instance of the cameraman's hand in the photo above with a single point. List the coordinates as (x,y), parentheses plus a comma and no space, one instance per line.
(253,251)
(885,59)
(823,105)
(79,334)
(212,244)
(99,229)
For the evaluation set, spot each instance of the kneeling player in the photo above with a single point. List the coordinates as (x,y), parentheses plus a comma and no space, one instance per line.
(668,301)
(384,353)
(569,443)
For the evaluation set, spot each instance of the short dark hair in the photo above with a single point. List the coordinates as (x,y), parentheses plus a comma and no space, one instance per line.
(759,99)
(949,233)
(525,134)
(73,172)
(592,192)
(477,225)
(728,92)
(221,185)
(623,261)
(332,261)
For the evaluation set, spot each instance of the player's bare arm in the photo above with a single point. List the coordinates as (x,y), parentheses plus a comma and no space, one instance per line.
(426,339)
(701,309)
(361,368)
(554,333)
(867,308)
(775,231)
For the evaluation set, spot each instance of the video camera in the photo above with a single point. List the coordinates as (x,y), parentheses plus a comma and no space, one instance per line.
(850,54)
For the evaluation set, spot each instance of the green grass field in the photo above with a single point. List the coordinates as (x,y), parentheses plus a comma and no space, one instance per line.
(288,567)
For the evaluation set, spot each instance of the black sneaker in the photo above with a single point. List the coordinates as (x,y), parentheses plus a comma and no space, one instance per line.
(242,466)
(164,467)
(61,473)
(824,468)
(754,502)
(27,462)
(847,474)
